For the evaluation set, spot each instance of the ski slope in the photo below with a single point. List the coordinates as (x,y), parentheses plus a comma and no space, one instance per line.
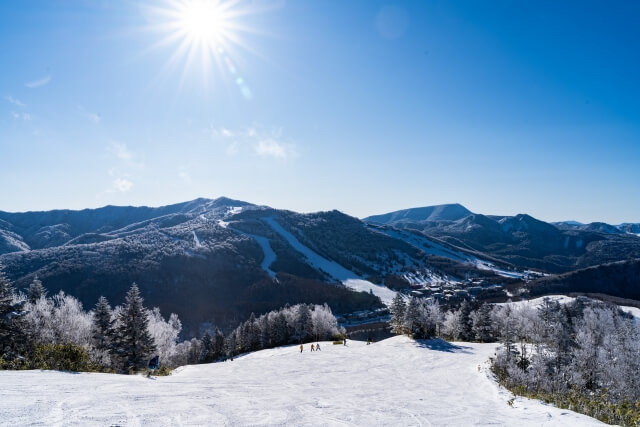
(393,382)
(332,268)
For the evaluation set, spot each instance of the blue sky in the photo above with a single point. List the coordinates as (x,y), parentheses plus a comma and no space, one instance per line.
(363,106)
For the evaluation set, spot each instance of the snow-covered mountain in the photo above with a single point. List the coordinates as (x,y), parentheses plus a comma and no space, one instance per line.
(218,260)
(521,240)
(602,227)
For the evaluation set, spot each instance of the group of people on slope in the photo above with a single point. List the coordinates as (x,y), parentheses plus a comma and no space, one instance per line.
(313,348)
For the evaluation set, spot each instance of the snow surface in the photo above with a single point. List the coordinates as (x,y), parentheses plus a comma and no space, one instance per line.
(269,254)
(392,382)
(332,268)
(537,302)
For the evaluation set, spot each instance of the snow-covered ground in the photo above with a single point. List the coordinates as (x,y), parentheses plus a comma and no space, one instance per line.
(392,382)
(537,302)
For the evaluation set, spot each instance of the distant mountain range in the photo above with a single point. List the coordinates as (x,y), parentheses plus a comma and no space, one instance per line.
(521,240)
(215,261)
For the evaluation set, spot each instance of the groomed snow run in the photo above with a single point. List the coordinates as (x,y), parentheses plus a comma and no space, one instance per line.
(332,268)
(393,382)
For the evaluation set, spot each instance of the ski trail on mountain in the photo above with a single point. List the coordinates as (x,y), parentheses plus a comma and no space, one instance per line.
(332,268)
(269,255)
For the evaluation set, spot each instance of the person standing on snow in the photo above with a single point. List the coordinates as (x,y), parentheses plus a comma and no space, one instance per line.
(344,342)
(301,348)
(312,347)
(318,347)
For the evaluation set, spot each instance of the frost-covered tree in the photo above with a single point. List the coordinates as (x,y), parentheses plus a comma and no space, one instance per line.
(481,324)
(452,326)
(413,318)
(36,291)
(218,344)
(433,318)
(324,322)
(103,332)
(164,333)
(206,350)
(134,342)
(72,325)
(398,308)
(303,323)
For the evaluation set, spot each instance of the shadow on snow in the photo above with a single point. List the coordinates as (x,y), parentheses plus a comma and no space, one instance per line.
(439,344)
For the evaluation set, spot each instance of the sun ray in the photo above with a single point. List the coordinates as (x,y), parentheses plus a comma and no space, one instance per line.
(203,34)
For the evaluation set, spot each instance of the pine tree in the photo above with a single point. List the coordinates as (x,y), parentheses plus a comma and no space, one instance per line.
(231,344)
(218,344)
(12,335)
(412,318)
(254,333)
(135,344)
(103,331)
(206,353)
(36,291)
(304,324)
(278,329)
(398,308)
(465,320)
(481,323)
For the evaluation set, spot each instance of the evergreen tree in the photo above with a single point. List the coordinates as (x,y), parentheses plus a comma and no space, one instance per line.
(218,344)
(278,329)
(303,324)
(134,343)
(481,323)
(12,336)
(265,340)
(231,344)
(254,333)
(103,331)
(206,349)
(36,291)
(398,308)
(466,334)
(412,318)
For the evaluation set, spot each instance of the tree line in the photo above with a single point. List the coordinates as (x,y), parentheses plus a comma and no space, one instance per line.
(38,331)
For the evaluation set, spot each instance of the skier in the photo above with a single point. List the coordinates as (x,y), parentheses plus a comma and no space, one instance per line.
(344,342)
(318,347)
(301,348)
(312,347)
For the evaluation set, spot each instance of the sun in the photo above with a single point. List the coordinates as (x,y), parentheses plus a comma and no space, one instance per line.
(204,21)
(205,35)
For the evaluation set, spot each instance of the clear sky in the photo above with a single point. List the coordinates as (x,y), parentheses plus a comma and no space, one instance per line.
(363,106)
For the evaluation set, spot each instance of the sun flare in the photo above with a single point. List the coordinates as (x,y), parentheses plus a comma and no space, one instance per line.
(204,35)
(204,21)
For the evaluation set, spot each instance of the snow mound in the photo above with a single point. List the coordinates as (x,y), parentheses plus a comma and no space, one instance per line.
(393,382)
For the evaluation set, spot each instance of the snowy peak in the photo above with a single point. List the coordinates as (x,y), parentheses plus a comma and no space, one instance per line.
(526,223)
(600,227)
(447,212)
(46,229)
